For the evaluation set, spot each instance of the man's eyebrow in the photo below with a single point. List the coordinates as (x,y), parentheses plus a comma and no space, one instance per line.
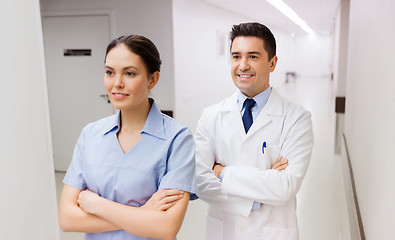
(254,52)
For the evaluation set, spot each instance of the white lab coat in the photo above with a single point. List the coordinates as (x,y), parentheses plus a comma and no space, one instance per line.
(220,137)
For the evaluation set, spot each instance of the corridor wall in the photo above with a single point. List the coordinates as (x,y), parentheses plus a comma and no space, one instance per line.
(27,182)
(370,114)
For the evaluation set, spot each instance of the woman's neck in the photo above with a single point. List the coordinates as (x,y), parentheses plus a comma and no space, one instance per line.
(133,120)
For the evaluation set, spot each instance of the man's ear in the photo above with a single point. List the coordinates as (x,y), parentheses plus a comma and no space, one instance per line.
(154,78)
(273,63)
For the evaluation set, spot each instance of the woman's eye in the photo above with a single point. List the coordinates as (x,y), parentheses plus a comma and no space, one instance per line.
(236,57)
(129,74)
(108,72)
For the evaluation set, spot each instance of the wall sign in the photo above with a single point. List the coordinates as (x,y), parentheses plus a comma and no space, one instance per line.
(77,52)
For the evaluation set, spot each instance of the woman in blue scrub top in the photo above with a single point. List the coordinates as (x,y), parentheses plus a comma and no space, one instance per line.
(133,173)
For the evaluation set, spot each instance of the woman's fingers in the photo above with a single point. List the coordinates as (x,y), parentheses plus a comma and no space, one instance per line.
(163,193)
(167,206)
(164,199)
(172,198)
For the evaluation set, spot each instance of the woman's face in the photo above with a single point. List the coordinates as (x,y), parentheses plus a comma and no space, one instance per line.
(126,78)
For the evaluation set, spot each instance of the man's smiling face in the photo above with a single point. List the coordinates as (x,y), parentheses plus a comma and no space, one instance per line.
(250,65)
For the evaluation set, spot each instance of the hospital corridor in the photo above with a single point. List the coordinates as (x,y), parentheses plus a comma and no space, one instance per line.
(335,59)
(320,204)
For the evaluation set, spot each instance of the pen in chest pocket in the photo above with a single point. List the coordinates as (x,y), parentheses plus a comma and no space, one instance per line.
(263,147)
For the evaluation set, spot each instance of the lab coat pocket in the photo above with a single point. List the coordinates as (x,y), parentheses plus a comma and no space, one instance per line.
(274,152)
(214,228)
(269,156)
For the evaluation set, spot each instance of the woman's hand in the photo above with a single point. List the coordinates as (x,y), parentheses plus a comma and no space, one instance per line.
(280,164)
(87,200)
(163,199)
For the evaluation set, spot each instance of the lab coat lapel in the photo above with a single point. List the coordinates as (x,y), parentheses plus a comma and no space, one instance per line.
(232,115)
(269,112)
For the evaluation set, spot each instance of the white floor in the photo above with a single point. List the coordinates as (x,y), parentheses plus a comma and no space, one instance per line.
(321,198)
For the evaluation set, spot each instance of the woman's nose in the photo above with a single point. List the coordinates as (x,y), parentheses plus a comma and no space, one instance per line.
(119,82)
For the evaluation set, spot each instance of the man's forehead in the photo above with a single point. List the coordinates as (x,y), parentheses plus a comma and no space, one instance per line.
(243,47)
(247,44)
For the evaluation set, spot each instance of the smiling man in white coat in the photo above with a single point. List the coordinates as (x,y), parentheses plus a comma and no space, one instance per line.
(253,148)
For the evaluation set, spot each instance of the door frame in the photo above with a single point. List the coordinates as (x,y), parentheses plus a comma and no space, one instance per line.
(76,13)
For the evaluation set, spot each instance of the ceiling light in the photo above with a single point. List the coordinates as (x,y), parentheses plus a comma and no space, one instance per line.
(291,14)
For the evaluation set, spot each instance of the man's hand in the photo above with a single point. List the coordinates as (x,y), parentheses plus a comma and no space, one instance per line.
(217,168)
(163,199)
(280,164)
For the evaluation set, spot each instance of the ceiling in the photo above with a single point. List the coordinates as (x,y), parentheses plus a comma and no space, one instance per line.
(318,14)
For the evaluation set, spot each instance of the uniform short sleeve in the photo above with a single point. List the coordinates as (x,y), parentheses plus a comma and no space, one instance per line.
(180,172)
(74,176)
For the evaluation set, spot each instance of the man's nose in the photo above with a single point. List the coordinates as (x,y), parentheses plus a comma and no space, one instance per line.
(244,65)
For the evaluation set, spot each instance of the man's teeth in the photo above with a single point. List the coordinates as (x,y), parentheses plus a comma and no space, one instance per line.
(245,76)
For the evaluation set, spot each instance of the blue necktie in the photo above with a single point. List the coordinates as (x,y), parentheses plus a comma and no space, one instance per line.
(247,116)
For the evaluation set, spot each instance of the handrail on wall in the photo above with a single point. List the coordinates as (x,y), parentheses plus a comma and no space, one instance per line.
(354,192)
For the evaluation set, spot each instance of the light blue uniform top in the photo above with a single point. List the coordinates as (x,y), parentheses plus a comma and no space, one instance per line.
(163,158)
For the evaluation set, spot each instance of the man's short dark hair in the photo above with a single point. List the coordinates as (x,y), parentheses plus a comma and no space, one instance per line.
(254,29)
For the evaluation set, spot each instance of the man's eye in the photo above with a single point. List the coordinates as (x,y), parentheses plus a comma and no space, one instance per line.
(253,57)
(236,57)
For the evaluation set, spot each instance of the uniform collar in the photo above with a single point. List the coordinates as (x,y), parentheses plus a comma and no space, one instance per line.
(272,107)
(260,99)
(112,123)
(154,125)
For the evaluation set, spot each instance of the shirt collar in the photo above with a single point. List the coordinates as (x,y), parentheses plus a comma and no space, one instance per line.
(154,125)
(260,99)
(113,123)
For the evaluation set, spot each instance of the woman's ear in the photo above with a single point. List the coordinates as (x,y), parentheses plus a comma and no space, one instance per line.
(153,80)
